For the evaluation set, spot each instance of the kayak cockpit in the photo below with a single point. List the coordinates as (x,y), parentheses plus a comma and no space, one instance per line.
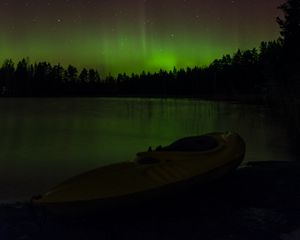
(192,144)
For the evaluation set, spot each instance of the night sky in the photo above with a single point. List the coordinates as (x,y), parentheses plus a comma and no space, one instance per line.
(133,35)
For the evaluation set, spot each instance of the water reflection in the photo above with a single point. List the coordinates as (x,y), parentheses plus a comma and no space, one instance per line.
(44,141)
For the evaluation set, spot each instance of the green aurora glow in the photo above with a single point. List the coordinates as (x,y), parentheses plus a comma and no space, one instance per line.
(145,41)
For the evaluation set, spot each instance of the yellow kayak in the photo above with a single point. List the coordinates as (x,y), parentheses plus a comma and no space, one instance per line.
(192,159)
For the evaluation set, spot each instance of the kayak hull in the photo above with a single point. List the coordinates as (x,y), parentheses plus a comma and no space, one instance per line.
(165,185)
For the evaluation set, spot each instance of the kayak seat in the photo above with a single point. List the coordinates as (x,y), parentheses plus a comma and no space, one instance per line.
(192,144)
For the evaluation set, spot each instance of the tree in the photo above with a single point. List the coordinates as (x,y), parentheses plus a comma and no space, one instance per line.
(71,74)
(42,79)
(56,78)
(290,25)
(83,76)
(21,81)
(93,76)
(290,32)
(7,76)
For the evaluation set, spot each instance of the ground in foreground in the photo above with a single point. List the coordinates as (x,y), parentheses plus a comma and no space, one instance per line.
(259,201)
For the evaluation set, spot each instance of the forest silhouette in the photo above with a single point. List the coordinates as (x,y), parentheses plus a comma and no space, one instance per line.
(245,72)
(270,71)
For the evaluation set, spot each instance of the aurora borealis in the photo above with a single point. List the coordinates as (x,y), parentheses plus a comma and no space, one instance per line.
(135,35)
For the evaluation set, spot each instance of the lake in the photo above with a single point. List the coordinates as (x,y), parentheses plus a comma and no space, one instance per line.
(43,141)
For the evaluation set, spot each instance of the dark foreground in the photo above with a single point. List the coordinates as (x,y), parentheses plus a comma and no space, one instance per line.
(260,201)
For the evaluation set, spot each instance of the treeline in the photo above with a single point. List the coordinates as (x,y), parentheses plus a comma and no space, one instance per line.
(245,72)
(44,79)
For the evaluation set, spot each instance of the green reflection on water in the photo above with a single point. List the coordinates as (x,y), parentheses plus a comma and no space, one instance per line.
(44,141)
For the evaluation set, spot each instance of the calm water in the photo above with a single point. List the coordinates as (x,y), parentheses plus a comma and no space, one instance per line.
(44,141)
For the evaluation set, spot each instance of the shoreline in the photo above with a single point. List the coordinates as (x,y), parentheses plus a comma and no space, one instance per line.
(258,201)
(241,99)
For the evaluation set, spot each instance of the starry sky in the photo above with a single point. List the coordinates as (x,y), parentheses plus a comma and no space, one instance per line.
(133,35)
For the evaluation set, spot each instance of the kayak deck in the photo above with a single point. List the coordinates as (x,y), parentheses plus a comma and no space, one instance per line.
(171,167)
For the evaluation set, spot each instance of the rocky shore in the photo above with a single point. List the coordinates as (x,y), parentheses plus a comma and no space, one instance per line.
(258,201)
